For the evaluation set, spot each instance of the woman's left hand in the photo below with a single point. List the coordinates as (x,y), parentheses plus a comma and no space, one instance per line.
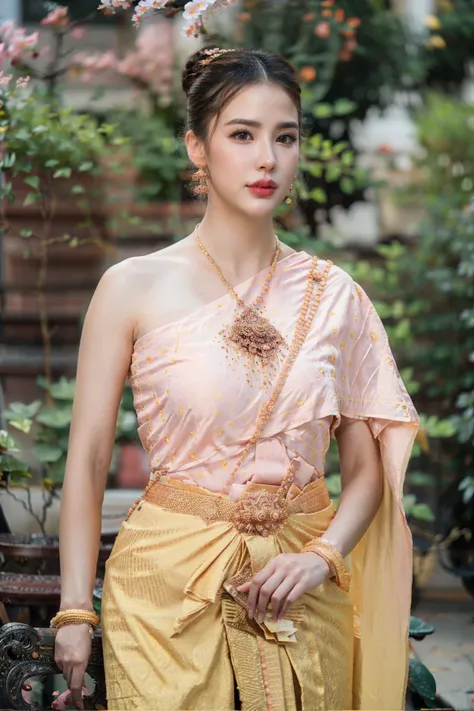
(282,581)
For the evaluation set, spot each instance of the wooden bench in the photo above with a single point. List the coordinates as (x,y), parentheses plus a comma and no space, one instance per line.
(27,652)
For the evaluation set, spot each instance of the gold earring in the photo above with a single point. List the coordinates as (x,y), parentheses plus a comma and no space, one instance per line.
(200,178)
(289,199)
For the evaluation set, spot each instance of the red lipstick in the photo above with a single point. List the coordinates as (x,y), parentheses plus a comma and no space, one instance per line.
(263,188)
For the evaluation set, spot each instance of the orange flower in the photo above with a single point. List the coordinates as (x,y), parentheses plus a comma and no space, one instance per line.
(345,55)
(353,21)
(327,3)
(244,17)
(326,13)
(308,74)
(350,45)
(309,17)
(323,30)
(339,15)
(348,33)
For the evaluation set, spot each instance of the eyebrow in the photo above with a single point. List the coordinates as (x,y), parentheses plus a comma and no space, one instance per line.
(257,124)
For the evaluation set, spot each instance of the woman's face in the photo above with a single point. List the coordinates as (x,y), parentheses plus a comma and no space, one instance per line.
(253,150)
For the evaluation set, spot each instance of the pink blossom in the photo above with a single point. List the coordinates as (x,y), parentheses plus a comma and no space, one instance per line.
(15,41)
(57,17)
(5,79)
(78,33)
(22,82)
(63,701)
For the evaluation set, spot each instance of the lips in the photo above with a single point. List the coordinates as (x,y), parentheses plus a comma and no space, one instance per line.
(263,188)
(266,184)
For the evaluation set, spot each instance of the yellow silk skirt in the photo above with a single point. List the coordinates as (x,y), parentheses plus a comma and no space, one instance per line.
(175,639)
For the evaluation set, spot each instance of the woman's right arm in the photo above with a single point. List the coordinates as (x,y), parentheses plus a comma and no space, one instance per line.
(104,359)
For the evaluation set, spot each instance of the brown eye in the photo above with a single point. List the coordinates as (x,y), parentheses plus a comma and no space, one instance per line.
(287,138)
(242,135)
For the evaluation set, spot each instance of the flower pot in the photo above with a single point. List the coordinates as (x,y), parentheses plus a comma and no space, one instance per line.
(132,471)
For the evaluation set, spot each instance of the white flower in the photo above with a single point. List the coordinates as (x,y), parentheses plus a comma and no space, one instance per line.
(146,6)
(110,6)
(194,9)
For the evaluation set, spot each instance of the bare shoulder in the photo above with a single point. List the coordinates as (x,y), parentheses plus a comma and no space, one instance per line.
(148,289)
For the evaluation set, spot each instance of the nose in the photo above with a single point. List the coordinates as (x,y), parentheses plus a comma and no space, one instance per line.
(266,157)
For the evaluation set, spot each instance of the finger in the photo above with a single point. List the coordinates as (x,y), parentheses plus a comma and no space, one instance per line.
(255,585)
(245,587)
(77,681)
(279,597)
(266,592)
(294,594)
(68,675)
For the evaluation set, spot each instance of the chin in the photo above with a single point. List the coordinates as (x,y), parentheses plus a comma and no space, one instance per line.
(260,207)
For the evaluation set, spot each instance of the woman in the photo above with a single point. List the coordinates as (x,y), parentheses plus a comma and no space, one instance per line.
(227,586)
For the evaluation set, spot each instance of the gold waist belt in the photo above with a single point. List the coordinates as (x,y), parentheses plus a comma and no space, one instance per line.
(261,510)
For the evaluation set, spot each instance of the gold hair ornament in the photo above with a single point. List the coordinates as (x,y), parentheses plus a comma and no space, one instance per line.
(212,54)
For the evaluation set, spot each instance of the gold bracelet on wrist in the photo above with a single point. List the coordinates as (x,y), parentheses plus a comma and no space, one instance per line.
(75,617)
(333,558)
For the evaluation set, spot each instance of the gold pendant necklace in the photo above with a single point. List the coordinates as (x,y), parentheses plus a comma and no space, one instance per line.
(251,333)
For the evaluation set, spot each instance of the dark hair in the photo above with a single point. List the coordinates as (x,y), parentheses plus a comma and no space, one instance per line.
(209,87)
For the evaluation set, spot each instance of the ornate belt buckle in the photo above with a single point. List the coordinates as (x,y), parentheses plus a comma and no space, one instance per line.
(260,513)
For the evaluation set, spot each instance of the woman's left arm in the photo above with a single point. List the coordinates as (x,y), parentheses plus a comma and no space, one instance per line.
(362,484)
(289,575)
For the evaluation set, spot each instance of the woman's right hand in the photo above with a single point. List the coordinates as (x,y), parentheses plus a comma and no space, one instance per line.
(72,650)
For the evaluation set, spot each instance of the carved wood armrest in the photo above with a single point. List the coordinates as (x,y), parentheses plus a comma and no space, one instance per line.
(27,652)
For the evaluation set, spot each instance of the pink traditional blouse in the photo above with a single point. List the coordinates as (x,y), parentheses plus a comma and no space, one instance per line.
(197,408)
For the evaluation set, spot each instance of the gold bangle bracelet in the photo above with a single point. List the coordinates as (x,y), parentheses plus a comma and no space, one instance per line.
(75,617)
(333,558)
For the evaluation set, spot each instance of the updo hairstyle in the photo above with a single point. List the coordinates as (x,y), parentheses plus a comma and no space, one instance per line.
(210,83)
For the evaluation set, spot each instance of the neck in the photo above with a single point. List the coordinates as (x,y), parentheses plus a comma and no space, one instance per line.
(241,246)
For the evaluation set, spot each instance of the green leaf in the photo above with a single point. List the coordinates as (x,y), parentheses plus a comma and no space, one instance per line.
(31,199)
(333,172)
(86,166)
(52,163)
(97,601)
(62,173)
(421,680)
(347,185)
(419,628)
(347,158)
(33,181)
(318,195)
(21,410)
(10,465)
(421,479)
(63,389)
(333,483)
(78,189)
(422,512)
(57,469)
(409,501)
(342,107)
(48,452)
(26,233)
(24,424)
(323,110)
(55,417)
(7,443)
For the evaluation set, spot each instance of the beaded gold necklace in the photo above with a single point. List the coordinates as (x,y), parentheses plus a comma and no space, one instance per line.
(263,512)
(303,325)
(251,333)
